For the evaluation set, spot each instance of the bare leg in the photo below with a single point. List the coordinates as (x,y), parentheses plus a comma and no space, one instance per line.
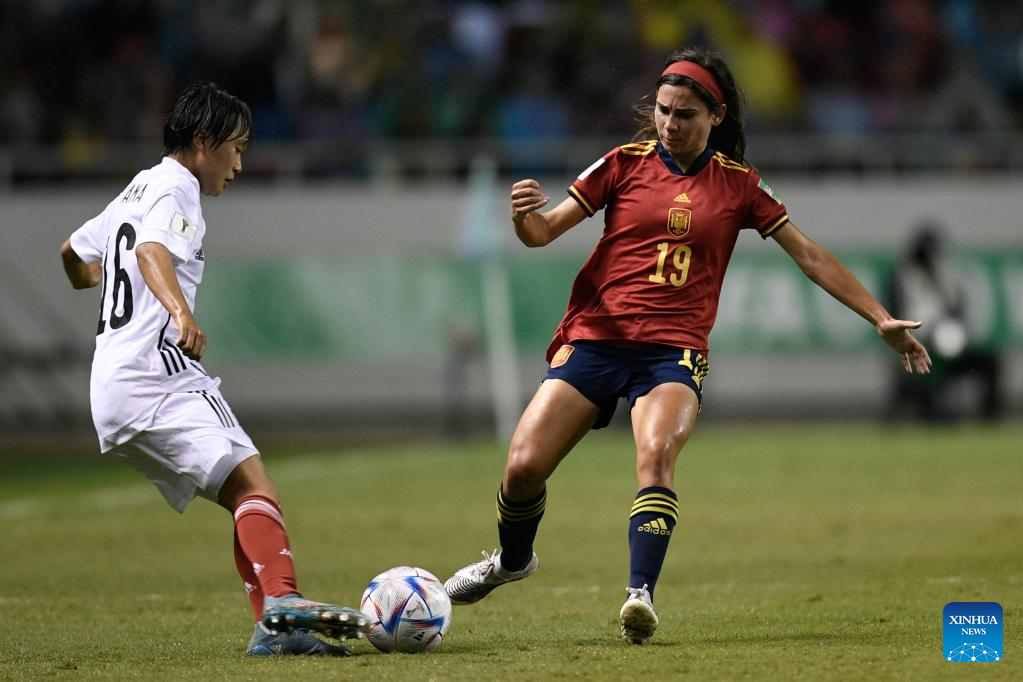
(248,478)
(555,420)
(662,421)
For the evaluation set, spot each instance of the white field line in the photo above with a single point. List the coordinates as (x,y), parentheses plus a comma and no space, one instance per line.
(134,494)
(118,497)
(21,508)
(559,590)
(115,497)
(18,600)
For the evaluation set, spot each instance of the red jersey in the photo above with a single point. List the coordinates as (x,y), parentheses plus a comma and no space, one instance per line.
(655,275)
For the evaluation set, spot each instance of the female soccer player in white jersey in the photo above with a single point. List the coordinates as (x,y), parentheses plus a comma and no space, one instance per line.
(153,403)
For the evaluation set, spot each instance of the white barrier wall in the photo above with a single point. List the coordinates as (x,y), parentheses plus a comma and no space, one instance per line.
(267,222)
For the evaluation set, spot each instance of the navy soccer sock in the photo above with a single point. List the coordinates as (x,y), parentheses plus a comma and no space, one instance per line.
(516,526)
(651,523)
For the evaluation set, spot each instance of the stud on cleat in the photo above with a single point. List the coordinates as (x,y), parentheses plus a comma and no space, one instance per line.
(298,613)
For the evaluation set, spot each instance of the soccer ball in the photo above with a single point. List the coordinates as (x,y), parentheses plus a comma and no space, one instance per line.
(408,610)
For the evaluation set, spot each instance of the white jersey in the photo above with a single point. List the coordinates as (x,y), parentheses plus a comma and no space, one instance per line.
(137,364)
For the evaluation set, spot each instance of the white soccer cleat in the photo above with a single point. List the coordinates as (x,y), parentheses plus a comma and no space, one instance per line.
(637,617)
(471,583)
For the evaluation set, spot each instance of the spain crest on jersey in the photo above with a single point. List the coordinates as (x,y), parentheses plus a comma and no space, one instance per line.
(561,357)
(679,220)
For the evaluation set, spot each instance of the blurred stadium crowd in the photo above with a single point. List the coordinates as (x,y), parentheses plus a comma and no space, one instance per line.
(79,73)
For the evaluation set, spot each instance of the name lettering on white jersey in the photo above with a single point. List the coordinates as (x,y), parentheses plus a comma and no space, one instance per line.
(133,194)
(180,227)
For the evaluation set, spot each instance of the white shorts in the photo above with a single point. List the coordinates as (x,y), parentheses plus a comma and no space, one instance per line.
(192,446)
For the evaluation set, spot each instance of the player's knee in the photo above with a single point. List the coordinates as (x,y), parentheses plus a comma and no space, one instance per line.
(525,472)
(658,448)
(248,478)
(655,459)
(231,497)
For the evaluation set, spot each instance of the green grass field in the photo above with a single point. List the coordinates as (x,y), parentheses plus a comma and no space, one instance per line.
(802,552)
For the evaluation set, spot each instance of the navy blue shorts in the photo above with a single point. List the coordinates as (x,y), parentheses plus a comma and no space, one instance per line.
(604,372)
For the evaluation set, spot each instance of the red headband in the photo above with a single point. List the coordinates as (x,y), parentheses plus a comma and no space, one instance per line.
(689,69)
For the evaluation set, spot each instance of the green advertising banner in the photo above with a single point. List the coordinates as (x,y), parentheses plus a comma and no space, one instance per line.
(372,309)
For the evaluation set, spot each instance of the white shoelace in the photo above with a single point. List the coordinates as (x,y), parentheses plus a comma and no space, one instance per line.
(488,565)
(638,592)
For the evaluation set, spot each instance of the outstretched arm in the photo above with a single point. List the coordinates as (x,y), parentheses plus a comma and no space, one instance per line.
(830,274)
(540,229)
(82,275)
(158,270)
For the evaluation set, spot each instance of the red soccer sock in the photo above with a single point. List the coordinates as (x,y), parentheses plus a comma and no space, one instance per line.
(249,579)
(261,538)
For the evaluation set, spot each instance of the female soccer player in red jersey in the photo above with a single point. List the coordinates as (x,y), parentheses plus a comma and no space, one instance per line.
(641,311)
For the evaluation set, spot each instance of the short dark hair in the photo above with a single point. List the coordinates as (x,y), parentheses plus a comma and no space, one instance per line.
(206,110)
(729,137)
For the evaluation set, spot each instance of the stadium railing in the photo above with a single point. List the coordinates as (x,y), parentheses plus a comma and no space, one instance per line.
(387,160)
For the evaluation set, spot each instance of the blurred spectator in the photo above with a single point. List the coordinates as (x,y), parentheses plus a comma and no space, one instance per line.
(993,32)
(124,95)
(21,110)
(337,75)
(928,286)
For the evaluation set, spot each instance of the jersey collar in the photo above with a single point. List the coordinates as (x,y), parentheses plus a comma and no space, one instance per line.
(179,168)
(697,165)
